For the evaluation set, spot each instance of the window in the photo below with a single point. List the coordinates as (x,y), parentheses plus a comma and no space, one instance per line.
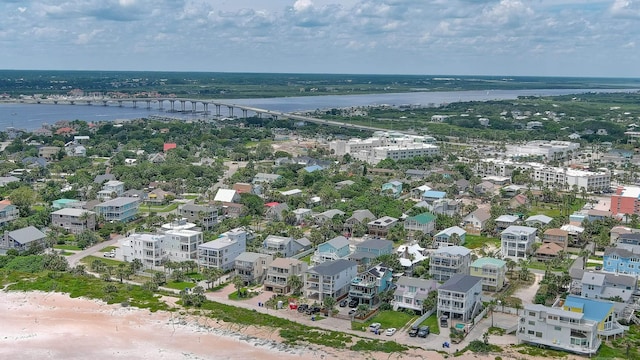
(538,334)
(530,332)
(557,328)
(532,313)
(532,323)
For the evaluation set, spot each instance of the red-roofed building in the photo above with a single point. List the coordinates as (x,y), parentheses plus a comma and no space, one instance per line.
(272,204)
(169,146)
(65,131)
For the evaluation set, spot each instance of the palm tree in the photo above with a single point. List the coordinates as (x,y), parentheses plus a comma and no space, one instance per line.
(362,310)
(329,304)
(295,284)
(238,283)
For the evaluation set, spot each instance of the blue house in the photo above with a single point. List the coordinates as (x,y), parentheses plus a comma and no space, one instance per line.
(623,259)
(313,168)
(334,249)
(392,188)
(371,249)
(367,286)
(432,195)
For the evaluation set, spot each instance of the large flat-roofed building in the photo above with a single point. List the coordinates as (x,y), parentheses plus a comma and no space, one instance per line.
(626,200)
(550,150)
(386,145)
(122,209)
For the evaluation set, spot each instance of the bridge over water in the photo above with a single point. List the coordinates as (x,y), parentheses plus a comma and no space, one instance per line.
(185,105)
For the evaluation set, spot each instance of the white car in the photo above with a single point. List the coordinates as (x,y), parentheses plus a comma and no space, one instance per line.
(390,331)
(374,327)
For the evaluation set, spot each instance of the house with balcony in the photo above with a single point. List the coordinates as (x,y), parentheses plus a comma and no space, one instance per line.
(493,273)
(504,221)
(411,292)
(23,239)
(148,248)
(74,221)
(392,189)
(416,193)
(605,286)
(359,217)
(431,196)
(574,324)
(622,259)
(205,215)
(380,227)
(366,287)
(459,298)
(279,272)
(448,261)
(538,220)
(329,279)
(8,213)
(557,236)
(449,237)
(111,189)
(370,249)
(425,222)
(285,246)
(334,249)
(222,252)
(120,209)
(252,267)
(516,241)
(182,245)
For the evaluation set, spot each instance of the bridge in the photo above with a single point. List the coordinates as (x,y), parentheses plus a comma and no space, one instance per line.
(184,105)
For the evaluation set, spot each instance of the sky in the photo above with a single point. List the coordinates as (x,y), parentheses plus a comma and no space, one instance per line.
(593,38)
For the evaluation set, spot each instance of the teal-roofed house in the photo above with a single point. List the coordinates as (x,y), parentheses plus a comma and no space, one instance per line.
(425,222)
(64,204)
(392,188)
(492,271)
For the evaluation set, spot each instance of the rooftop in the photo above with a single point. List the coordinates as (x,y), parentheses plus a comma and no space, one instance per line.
(460,283)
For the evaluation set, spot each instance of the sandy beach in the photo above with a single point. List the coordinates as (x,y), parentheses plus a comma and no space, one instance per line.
(38,325)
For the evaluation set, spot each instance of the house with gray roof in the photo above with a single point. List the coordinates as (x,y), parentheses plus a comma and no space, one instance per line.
(504,221)
(4,180)
(450,236)
(380,227)
(370,249)
(328,215)
(74,220)
(121,209)
(261,178)
(448,261)
(23,239)
(516,241)
(538,220)
(411,292)
(476,220)
(358,217)
(329,279)
(279,273)
(459,298)
(603,285)
(284,246)
(205,215)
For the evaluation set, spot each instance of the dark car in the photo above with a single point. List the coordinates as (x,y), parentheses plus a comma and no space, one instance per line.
(343,303)
(313,310)
(414,331)
(302,308)
(423,331)
(353,303)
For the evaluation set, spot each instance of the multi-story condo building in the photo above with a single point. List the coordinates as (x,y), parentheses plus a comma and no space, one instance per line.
(517,241)
(549,150)
(206,215)
(367,286)
(450,236)
(279,273)
(182,245)
(385,145)
(492,271)
(252,267)
(8,213)
(121,209)
(448,261)
(149,248)
(334,249)
(74,220)
(222,252)
(574,324)
(459,299)
(111,189)
(626,200)
(329,279)
(411,292)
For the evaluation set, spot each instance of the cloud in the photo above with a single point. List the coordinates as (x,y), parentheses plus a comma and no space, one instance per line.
(625,9)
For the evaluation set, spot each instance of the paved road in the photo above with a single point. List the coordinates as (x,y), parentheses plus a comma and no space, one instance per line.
(75,258)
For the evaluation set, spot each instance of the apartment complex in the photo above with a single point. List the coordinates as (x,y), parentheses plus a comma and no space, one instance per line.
(385,145)
(154,249)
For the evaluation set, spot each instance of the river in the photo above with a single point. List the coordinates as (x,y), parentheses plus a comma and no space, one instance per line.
(33,116)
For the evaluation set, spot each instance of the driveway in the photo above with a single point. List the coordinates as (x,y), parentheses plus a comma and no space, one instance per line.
(527,294)
(75,258)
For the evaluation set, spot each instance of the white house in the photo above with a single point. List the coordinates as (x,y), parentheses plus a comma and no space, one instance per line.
(517,241)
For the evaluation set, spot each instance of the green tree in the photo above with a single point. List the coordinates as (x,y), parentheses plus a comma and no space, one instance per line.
(295,284)
(23,198)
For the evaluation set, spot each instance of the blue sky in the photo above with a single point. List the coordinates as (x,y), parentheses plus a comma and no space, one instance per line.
(463,37)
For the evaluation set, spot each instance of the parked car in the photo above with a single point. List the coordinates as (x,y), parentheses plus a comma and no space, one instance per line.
(109,254)
(374,327)
(423,331)
(343,303)
(313,310)
(353,303)
(414,331)
(302,308)
(352,312)
(390,331)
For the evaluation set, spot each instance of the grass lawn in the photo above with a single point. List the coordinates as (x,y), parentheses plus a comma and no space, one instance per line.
(67,247)
(108,248)
(432,323)
(109,262)
(540,265)
(387,319)
(476,241)
(181,285)
(160,209)
(307,259)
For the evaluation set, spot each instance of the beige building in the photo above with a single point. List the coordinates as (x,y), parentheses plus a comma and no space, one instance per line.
(74,220)
(492,271)
(279,272)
